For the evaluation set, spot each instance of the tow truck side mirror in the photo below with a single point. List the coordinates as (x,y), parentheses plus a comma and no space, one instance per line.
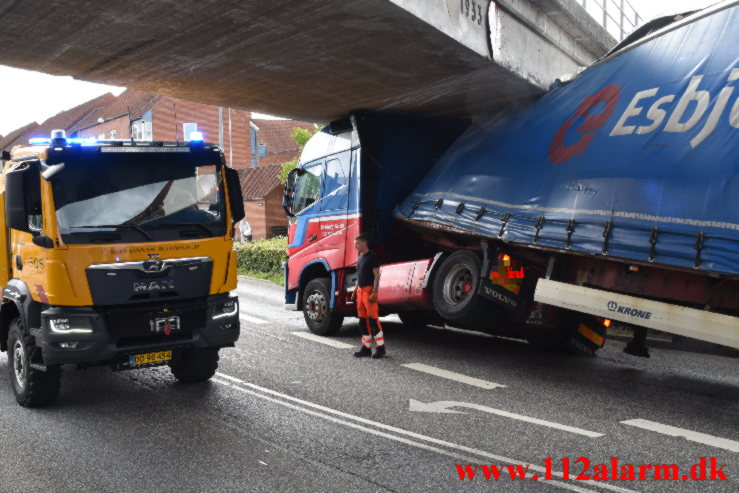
(235,197)
(22,195)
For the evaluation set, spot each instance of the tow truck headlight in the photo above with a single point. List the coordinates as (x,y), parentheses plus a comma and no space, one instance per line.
(226,309)
(70,325)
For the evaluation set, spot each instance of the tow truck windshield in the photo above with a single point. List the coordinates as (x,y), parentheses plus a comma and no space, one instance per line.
(108,198)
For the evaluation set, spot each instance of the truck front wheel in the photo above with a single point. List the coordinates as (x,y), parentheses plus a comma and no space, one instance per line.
(32,387)
(455,293)
(319,317)
(195,365)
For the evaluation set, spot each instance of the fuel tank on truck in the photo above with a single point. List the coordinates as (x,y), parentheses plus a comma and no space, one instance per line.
(637,158)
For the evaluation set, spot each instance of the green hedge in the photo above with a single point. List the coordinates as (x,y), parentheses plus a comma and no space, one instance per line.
(262,258)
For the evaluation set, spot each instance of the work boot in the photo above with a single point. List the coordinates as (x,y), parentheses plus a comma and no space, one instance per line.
(363,351)
(379,352)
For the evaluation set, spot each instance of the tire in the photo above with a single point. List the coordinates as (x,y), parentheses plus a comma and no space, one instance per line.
(195,365)
(455,293)
(420,318)
(319,317)
(32,387)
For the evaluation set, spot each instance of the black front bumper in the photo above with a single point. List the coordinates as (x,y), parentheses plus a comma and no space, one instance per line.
(111,334)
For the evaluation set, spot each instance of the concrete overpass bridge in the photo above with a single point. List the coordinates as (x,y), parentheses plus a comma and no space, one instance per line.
(311,59)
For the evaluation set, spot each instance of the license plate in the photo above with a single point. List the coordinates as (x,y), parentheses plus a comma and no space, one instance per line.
(164,325)
(146,358)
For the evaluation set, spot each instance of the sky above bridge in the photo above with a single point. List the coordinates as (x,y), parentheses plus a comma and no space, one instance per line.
(27,96)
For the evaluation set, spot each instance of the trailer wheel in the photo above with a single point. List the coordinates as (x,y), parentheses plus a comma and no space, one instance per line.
(319,317)
(196,365)
(32,387)
(455,293)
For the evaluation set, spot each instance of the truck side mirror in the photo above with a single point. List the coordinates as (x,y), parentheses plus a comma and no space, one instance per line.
(287,197)
(235,197)
(22,195)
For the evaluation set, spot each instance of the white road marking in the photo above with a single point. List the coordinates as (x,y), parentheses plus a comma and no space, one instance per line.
(693,436)
(251,319)
(323,340)
(450,375)
(445,407)
(473,458)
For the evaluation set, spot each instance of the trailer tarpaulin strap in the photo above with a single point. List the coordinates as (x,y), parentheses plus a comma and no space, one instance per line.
(644,142)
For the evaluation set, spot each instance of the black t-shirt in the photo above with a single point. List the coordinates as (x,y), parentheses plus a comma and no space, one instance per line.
(365,264)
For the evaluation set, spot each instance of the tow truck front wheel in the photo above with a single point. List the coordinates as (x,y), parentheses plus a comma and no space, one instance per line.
(32,387)
(319,317)
(195,365)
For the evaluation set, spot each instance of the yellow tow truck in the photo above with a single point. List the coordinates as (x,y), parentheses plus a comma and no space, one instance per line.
(116,253)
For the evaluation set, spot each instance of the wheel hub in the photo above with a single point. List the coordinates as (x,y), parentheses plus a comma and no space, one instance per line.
(19,363)
(458,285)
(316,306)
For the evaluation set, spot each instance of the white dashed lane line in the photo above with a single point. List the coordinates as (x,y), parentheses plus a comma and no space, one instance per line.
(693,436)
(449,449)
(450,375)
(323,340)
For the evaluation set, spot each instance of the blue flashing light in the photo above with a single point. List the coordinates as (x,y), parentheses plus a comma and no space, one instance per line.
(196,137)
(39,141)
(85,141)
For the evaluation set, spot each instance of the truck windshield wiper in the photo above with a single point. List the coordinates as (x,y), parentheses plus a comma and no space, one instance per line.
(119,226)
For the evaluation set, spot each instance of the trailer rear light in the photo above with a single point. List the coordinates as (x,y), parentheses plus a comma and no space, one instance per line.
(505,258)
(606,322)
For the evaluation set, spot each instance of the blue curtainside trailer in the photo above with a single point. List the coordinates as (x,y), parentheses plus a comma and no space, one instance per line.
(612,198)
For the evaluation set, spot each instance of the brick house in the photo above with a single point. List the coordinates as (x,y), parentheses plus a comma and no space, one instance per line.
(254,146)
(263,201)
(18,136)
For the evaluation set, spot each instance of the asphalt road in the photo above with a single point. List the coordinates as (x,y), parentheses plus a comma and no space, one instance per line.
(292,413)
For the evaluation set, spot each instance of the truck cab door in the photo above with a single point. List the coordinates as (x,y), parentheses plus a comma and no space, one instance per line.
(304,228)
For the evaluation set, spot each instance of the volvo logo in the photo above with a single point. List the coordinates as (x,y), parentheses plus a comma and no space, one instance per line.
(150,286)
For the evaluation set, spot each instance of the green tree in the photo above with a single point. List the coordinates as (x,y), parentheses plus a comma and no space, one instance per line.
(301,136)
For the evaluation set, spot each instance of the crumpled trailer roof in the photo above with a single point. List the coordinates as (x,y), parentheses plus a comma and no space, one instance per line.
(636,158)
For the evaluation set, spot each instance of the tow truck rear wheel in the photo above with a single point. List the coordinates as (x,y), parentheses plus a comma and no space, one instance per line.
(319,317)
(455,293)
(195,365)
(32,387)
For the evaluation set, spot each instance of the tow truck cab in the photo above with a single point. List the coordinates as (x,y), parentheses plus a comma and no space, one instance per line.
(118,253)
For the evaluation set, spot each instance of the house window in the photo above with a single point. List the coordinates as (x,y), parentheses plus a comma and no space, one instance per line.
(253,162)
(141,130)
(189,128)
(262,150)
(101,136)
(253,141)
(112,134)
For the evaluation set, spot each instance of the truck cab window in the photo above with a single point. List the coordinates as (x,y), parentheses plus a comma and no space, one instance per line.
(307,188)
